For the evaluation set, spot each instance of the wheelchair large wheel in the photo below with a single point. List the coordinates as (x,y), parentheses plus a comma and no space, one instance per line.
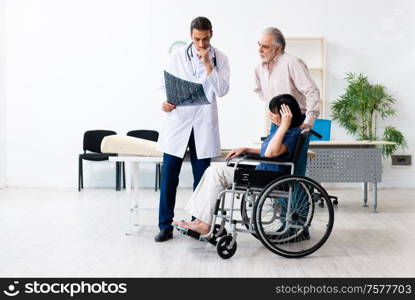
(288,222)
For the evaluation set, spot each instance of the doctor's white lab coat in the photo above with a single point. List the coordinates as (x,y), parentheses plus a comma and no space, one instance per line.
(203,119)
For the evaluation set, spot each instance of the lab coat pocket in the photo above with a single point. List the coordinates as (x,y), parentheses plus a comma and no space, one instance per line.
(174,115)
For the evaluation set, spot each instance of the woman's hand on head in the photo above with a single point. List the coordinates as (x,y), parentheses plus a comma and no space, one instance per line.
(286,116)
(234,153)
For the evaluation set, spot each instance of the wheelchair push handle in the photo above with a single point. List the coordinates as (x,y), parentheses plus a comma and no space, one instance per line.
(316,134)
(312,132)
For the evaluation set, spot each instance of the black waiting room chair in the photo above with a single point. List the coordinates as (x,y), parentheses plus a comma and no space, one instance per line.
(92,152)
(150,135)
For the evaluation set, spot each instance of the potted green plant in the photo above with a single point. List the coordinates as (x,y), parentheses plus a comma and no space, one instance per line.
(359,108)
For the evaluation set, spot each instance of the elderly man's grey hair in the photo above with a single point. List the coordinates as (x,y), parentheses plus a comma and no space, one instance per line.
(278,37)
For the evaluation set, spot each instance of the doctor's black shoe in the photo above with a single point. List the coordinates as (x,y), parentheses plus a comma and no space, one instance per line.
(164,235)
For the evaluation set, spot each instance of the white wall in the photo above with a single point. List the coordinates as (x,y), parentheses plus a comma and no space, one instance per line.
(78,65)
(2,97)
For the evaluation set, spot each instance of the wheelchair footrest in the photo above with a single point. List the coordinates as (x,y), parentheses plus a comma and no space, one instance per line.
(187,231)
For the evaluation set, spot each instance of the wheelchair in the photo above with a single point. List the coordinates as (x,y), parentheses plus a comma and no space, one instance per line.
(292,215)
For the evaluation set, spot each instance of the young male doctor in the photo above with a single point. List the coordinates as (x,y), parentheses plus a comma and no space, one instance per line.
(194,127)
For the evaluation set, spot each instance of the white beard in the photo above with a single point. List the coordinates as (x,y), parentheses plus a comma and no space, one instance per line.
(265,60)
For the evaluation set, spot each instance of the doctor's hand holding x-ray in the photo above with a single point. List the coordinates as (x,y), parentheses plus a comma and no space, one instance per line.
(167,107)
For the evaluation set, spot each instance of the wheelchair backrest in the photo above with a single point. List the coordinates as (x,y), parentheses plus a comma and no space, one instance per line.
(300,153)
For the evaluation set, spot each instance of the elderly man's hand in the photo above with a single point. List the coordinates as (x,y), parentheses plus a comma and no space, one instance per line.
(167,107)
(305,126)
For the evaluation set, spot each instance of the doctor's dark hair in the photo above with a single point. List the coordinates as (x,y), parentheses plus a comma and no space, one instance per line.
(201,23)
(276,103)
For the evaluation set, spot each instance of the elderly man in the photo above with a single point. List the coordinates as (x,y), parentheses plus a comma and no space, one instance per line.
(282,73)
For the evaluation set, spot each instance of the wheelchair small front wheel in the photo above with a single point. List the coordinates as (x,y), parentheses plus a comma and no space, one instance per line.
(215,235)
(223,247)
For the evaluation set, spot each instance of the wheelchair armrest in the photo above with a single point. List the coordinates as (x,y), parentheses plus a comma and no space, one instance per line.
(228,162)
(261,158)
(243,166)
(231,164)
(257,158)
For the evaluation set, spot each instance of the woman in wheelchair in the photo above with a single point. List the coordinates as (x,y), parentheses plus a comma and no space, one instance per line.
(285,113)
(280,146)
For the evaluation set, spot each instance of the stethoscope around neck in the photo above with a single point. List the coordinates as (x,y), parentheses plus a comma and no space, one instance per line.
(189,53)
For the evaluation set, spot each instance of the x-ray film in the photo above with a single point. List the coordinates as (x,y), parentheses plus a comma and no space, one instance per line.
(181,92)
